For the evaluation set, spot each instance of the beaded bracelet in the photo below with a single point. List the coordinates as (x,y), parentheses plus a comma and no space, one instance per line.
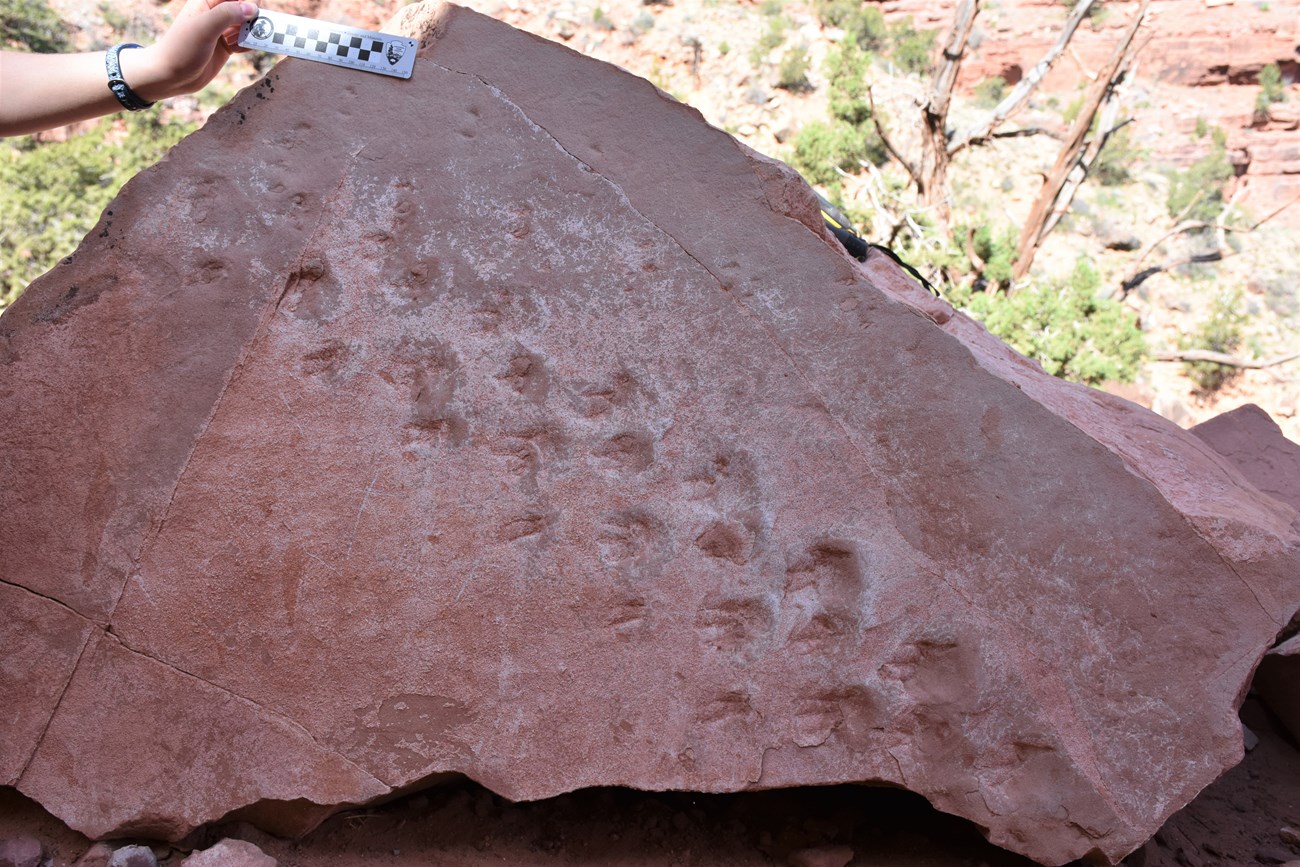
(130,100)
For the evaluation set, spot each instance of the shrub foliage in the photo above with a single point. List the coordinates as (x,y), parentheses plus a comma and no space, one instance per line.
(1065,327)
(54,191)
(31,25)
(1223,331)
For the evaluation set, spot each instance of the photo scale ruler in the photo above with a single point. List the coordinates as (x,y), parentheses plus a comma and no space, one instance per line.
(327,42)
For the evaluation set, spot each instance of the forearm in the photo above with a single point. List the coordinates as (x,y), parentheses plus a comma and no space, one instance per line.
(41,91)
(49,90)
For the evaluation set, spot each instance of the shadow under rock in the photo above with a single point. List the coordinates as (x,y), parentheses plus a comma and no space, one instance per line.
(1236,821)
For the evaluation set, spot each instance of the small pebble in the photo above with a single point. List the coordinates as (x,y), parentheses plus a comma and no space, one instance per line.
(133,856)
(21,852)
(96,856)
(1289,835)
(230,853)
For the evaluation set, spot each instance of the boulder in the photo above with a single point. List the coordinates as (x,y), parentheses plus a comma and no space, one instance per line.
(97,855)
(511,422)
(1249,438)
(21,852)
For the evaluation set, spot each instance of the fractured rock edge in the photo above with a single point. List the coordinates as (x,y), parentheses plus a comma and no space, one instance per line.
(215,752)
(1254,443)
(1026,379)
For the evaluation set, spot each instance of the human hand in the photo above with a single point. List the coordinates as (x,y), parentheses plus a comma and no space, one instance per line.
(190,53)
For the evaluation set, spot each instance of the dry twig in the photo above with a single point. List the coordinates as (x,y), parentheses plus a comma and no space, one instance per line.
(1225,359)
(1024,87)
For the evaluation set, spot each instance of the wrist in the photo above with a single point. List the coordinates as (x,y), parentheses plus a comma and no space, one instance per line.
(143,73)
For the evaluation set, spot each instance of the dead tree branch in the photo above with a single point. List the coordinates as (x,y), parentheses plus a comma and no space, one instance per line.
(1075,179)
(1026,132)
(1078,62)
(1079,150)
(932,175)
(912,170)
(1137,275)
(1225,359)
(1024,87)
(856,184)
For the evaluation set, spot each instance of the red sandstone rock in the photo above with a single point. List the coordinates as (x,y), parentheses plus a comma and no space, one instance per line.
(1256,446)
(512,422)
(96,856)
(230,853)
(21,852)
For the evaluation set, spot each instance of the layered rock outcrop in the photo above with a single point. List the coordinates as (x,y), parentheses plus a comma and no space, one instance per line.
(512,422)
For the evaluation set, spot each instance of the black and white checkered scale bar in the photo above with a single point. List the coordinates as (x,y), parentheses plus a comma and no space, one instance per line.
(323,41)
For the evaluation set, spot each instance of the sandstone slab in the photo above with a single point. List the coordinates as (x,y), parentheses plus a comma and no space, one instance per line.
(512,422)
(1253,442)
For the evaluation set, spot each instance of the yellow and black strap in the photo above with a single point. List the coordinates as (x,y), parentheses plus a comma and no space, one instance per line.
(857,246)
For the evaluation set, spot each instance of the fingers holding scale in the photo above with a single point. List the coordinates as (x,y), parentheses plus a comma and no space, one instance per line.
(200,41)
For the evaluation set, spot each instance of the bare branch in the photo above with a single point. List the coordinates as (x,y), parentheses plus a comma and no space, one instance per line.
(1026,132)
(932,174)
(1083,70)
(1092,150)
(1138,275)
(1178,229)
(878,180)
(976,262)
(1137,278)
(1024,87)
(1187,209)
(1072,161)
(894,152)
(917,232)
(1225,359)
(865,185)
(945,78)
(1271,214)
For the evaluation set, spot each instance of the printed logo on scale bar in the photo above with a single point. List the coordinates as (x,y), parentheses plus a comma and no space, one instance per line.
(394,52)
(262,28)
